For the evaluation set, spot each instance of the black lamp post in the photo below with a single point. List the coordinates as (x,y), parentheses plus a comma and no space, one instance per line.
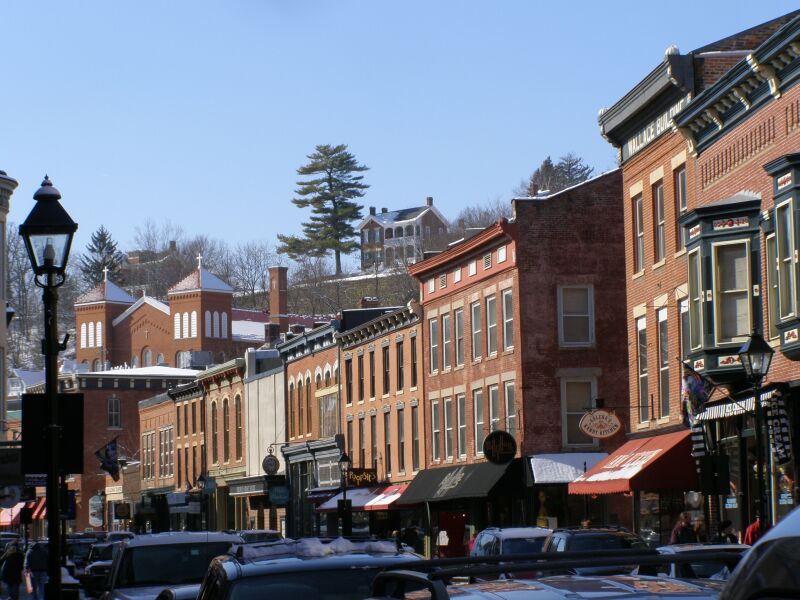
(756,356)
(344,510)
(201,485)
(48,232)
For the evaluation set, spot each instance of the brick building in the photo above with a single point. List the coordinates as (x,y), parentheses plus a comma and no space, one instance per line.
(7,187)
(512,341)
(157,451)
(661,188)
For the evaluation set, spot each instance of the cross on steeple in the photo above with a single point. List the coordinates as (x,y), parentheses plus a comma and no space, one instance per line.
(199,260)
(105,273)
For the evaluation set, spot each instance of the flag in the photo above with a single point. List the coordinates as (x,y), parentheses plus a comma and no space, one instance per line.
(695,392)
(109,459)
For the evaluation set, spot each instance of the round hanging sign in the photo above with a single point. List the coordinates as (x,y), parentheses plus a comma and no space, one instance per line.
(499,447)
(270,464)
(599,423)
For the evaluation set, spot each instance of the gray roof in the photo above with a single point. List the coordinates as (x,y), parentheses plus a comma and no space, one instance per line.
(393,216)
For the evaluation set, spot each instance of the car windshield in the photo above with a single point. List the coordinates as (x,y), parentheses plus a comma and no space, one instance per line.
(522,545)
(172,564)
(260,536)
(605,541)
(80,551)
(346,584)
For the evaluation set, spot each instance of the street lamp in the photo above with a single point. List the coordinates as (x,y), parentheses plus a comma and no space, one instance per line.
(47,233)
(756,356)
(344,509)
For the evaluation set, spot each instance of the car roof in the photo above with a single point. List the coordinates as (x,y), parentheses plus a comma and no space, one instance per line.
(518,532)
(702,547)
(180,537)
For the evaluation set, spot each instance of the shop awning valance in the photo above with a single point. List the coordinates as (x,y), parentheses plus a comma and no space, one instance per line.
(321,494)
(40,509)
(564,467)
(732,408)
(660,462)
(386,498)
(358,498)
(10,516)
(452,483)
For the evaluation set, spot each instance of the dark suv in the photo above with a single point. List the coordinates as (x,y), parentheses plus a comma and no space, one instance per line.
(594,539)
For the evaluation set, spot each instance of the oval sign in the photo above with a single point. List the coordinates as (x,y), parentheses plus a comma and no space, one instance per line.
(270,464)
(599,423)
(499,447)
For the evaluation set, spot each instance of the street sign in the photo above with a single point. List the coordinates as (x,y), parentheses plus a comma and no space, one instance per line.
(499,447)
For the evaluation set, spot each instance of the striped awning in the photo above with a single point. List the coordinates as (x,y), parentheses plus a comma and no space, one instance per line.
(732,408)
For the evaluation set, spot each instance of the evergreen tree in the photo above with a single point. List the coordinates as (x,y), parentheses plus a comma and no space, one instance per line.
(330,192)
(100,254)
(553,177)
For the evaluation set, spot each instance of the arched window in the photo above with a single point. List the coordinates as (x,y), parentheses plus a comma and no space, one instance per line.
(226,431)
(291,410)
(336,374)
(186,324)
(319,381)
(194,324)
(114,415)
(224,325)
(308,404)
(208,323)
(389,234)
(160,359)
(91,335)
(83,335)
(327,378)
(216,324)
(134,361)
(177,326)
(300,422)
(398,232)
(239,439)
(147,357)
(214,451)
(97,365)
(98,333)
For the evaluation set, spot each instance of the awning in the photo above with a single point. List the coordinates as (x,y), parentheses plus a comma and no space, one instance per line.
(451,483)
(565,467)
(40,510)
(321,494)
(357,496)
(10,516)
(388,495)
(661,462)
(732,408)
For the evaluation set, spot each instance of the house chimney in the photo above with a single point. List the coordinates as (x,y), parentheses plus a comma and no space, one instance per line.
(429,200)
(383,210)
(272,334)
(533,190)
(173,246)
(368,302)
(278,303)
(372,210)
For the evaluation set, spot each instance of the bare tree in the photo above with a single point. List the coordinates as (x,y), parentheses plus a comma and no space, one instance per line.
(250,271)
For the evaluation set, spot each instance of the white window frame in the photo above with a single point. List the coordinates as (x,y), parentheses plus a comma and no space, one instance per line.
(478,417)
(447,403)
(457,275)
(786,263)
(638,233)
(176,325)
(696,299)
(435,430)
(83,335)
(491,325)
(458,324)
(433,345)
(684,336)
(501,254)
(185,333)
(461,408)
(508,319)
(663,362)
(679,186)
(564,414)
(659,222)
(431,285)
(91,334)
(590,315)
(494,407)
(442,281)
(475,331)
(446,341)
(487,261)
(511,408)
(771,248)
(98,334)
(738,340)
(642,372)
(472,268)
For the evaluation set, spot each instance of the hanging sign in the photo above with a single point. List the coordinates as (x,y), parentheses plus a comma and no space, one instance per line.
(599,423)
(361,477)
(499,447)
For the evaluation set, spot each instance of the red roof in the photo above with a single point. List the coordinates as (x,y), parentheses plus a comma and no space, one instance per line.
(660,462)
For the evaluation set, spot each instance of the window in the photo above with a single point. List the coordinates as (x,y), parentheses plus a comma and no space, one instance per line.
(193,325)
(185,325)
(176,326)
(226,431)
(477,415)
(362,444)
(216,324)
(679,180)
(446,341)
(114,414)
(487,261)
(695,300)
(360,377)
(83,335)
(659,232)
(414,362)
(457,275)
(401,440)
(415,438)
(224,325)
(491,325)
(194,417)
(785,251)
(511,408)
(641,338)
(772,287)
(476,330)
(91,335)
(98,333)
(290,402)
(179,472)
(577,396)
(663,362)
(308,404)
(433,328)
(442,281)
(472,268)
(166,452)
(214,430)
(208,324)
(431,282)
(732,291)
(638,230)
(97,365)
(328,415)
(372,373)
(683,311)
(373,434)
(160,359)
(448,427)
(461,408)
(178,419)
(435,430)
(501,254)
(576,315)
(400,358)
(458,317)
(147,357)
(186,418)
(387,442)
(508,320)
(494,408)
(237,403)
(148,455)
(134,361)
(348,381)
(386,371)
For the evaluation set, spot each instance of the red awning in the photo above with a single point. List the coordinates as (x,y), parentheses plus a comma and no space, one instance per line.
(10,516)
(661,462)
(389,494)
(40,510)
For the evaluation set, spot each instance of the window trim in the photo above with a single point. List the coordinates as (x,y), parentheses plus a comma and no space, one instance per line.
(638,233)
(564,414)
(791,244)
(663,362)
(696,256)
(717,305)
(447,340)
(659,222)
(642,372)
(461,424)
(771,262)
(681,205)
(433,345)
(491,325)
(447,404)
(477,402)
(475,333)
(591,333)
(436,426)
(508,318)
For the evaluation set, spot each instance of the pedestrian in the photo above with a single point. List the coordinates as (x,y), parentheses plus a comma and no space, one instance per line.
(397,541)
(725,534)
(683,533)
(700,531)
(11,571)
(753,531)
(36,565)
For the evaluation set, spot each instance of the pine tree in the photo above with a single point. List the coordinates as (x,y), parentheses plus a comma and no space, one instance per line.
(553,177)
(100,254)
(330,192)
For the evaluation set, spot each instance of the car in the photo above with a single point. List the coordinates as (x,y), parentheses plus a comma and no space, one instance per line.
(699,568)
(595,539)
(495,541)
(115,536)
(146,564)
(260,535)
(98,567)
(306,569)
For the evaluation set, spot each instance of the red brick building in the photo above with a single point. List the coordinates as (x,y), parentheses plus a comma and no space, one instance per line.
(158,469)
(662,188)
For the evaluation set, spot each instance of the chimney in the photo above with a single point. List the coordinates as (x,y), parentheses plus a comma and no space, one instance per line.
(429,200)
(383,210)
(278,303)
(173,246)
(533,190)
(372,210)
(273,334)
(368,302)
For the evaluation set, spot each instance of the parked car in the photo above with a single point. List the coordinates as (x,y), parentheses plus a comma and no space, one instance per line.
(146,564)
(98,567)
(260,535)
(305,569)
(596,539)
(116,536)
(699,568)
(495,541)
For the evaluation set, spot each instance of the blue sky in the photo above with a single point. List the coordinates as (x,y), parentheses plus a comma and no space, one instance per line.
(200,112)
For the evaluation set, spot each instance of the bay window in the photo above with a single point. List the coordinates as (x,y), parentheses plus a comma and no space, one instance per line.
(732,291)
(695,301)
(785,259)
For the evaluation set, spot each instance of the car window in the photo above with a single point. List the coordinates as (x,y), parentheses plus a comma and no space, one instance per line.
(350,584)
(560,544)
(486,544)
(523,545)
(602,541)
(172,564)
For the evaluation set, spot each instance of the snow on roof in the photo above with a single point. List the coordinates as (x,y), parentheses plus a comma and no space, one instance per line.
(200,279)
(248,331)
(29,378)
(158,371)
(106,291)
(395,216)
(141,301)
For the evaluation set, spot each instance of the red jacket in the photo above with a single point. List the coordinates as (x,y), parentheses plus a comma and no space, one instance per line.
(753,532)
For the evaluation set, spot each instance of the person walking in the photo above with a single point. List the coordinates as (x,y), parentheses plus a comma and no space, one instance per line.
(11,571)
(724,533)
(683,533)
(36,565)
